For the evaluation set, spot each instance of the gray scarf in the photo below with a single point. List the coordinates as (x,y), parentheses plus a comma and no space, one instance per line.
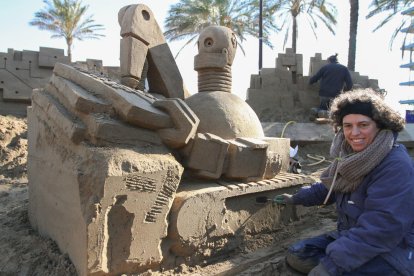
(351,167)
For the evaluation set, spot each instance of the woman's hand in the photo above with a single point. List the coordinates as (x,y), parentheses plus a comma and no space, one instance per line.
(283,199)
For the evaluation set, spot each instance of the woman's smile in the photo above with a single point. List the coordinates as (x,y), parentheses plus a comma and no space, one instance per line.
(359,131)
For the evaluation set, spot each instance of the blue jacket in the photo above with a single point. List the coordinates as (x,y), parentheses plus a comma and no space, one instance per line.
(376,219)
(334,77)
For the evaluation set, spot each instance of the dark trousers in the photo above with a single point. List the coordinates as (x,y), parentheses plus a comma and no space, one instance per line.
(307,253)
(324,103)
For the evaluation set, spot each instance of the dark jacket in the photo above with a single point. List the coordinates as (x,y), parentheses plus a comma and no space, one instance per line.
(376,219)
(334,77)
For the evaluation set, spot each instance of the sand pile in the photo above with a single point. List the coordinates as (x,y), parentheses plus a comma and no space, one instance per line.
(22,250)
(13,147)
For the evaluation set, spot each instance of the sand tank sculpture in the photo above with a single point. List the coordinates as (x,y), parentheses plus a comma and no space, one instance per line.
(126,180)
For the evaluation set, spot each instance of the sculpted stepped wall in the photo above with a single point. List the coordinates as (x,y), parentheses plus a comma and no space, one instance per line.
(283,94)
(23,71)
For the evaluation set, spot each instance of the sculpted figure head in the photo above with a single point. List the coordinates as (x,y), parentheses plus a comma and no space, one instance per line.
(218,44)
(220,112)
(217,47)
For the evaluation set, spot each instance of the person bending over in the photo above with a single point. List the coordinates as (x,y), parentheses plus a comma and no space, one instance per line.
(334,78)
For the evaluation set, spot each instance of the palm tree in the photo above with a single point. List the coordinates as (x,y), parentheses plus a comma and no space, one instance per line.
(65,18)
(353,27)
(188,18)
(391,8)
(314,10)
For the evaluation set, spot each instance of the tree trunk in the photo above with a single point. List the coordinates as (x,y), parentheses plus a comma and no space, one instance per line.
(294,41)
(69,44)
(260,35)
(69,53)
(294,34)
(353,27)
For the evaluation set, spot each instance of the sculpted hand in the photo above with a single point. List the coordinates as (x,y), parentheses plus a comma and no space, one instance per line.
(185,122)
(319,270)
(283,199)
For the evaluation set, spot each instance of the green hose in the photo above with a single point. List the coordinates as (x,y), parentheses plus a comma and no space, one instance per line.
(284,128)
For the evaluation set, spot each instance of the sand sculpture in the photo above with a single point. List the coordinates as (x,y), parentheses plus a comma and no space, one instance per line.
(21,72)
(228,125)
(133,180)
(282,93)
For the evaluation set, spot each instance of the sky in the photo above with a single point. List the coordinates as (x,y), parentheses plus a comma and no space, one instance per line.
(374,58)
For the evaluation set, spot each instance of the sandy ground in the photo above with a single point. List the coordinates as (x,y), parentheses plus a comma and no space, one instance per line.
(23,252)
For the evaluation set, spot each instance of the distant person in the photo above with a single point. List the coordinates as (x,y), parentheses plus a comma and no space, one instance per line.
(371,182)
(335,78)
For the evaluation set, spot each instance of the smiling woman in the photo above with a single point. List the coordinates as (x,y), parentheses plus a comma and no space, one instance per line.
(368,103)
(372,183)
(359,131)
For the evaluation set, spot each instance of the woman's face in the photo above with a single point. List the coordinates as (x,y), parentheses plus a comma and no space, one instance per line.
(359,131)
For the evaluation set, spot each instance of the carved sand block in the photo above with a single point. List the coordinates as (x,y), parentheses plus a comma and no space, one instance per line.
(143,42)
(240,158)
(106,186)
(195,153)
(134,107)
(247,158)
(110,220)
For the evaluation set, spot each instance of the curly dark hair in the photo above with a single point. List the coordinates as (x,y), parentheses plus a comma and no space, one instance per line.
(383,115)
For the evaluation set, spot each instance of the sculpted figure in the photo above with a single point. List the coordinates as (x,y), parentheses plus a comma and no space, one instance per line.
(229,134)
(221,113)
(227,123)
(145,55)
